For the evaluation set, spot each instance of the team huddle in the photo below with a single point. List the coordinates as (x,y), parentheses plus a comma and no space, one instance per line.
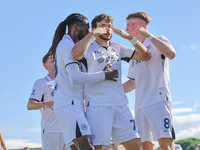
(84,69)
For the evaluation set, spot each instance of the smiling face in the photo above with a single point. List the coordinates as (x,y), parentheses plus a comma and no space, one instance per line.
(104,24)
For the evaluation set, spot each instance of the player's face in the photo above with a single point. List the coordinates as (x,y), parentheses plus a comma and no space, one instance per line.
(131,25)
(50,62)
(83,30)
(104,24)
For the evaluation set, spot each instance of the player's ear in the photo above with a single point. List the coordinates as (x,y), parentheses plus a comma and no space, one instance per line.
(75,27)
(139,23)
(93,29)
(45,65)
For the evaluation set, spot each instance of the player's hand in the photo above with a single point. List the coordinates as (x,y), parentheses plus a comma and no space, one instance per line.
(49,104)
(121,33)
(110,74)
(142,31)
(99,31)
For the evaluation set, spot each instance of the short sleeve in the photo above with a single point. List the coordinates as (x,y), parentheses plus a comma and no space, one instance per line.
(64,51)
(67,55)
(126,53)
(164,39)
(37,91)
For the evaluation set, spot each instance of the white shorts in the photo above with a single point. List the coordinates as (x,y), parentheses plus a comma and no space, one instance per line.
(73,122)
(111,121)
(52,141)
(155,122)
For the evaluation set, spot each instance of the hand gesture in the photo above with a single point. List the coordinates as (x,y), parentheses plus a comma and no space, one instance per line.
(49,104)
(121,33)
(142,31)
(110,74)
(99,31)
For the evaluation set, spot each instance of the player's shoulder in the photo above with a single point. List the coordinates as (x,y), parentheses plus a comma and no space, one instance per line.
(65,44)
(40,80)
(116,46)
(94,47)
(43,81)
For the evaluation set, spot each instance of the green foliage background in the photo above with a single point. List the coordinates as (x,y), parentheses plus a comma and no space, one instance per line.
(188,144)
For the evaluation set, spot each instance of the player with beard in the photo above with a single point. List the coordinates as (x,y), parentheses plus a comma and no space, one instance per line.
(107,112)
(68,90)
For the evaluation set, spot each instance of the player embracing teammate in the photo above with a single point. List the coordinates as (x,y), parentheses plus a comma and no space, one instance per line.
(87,69)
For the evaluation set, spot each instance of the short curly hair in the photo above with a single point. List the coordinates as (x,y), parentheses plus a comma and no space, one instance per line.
(99,18)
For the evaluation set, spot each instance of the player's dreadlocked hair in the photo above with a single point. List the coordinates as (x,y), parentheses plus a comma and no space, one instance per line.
(72,19)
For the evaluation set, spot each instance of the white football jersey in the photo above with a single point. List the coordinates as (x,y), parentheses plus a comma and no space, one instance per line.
(106,93)
(151,77)
(64,92)
(43,91)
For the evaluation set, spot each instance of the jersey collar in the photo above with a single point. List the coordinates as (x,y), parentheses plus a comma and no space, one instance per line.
(48,77)
(97,45)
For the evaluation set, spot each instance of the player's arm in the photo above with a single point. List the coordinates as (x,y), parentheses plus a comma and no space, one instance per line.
(78,77)
(129,85)
(81,47)
(165,48)
(35,105)
(141,52)
(3,145)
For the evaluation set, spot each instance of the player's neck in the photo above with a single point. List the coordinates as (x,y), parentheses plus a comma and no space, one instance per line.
(51,74)
(102,42)
(74,38)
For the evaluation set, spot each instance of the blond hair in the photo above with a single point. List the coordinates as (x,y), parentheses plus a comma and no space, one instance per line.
(141,15)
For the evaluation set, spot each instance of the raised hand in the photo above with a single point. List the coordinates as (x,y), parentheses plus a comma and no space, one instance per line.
(110,74)
(49,104)
(121,33)
(142,31)
(99,31)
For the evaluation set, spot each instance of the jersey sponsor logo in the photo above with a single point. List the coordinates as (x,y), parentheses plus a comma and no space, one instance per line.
(111,57)
(97,52)
(33,92)
(100,60)
(84,126)
(50,86)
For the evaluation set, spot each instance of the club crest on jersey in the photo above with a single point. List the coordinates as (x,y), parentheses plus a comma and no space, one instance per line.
(50,86)
(84,126)
(108,59)
(148,47)
(33,92)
